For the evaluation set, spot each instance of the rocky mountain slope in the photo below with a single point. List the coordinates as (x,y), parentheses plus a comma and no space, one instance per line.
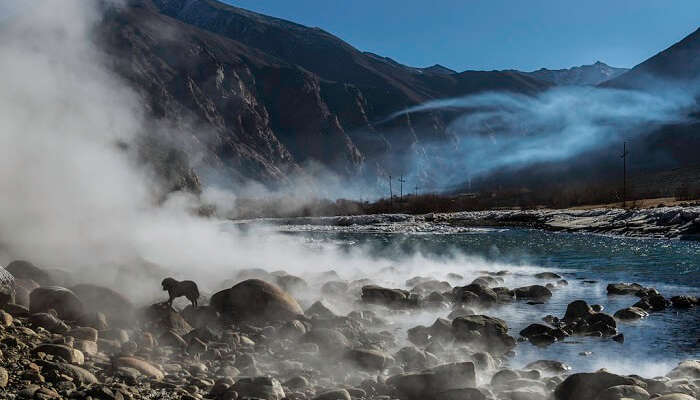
(267,95)
(592,74)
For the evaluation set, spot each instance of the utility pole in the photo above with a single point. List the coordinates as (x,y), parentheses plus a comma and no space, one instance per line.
(391,193)
(416,190)
(624,155)
(401,180)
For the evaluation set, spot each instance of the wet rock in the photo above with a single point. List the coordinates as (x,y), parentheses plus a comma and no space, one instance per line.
(255,300)
(159,318)
(48,322)
(22,269)
(460,311)
(629,392)
(318,309)
(689,369)
(484,296)
(578,309)
(78,374)
(631,314)
(461,394)
(292,329)
(484,361)
(533,292)
(684,301)
(117,308)
(655,302)
(65,302)
(414,359)
(291,283)
(329,341)
(432,286)
(586,386)
(536,329)
(504,294)
(503,377)
(491,333)
(549,366)
(336,394)
(369,358)
(547,275)
(66,353)
(84,333)
(625,288)
(262,387)
(373,294)
(142,366)
(543,339)
(675,396)
(430,383)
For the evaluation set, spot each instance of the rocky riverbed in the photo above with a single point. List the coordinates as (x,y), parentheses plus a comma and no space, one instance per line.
(661,222)
(271,335)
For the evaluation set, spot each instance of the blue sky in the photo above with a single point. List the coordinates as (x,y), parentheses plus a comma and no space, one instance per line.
(497,34)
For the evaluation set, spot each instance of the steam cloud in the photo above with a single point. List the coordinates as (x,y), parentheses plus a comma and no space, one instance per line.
(500,129)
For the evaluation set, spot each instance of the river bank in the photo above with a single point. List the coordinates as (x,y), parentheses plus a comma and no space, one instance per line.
(661,222)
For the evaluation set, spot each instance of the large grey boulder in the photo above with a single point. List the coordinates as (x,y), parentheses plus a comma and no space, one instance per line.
(22,269)
(587,386)
(430,384)
(256,300)
(62,300)
(119,310)
(490,334)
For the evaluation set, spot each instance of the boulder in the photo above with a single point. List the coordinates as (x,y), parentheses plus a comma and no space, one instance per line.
(547,275)
(142,366)
(256,300)
(488,332)
(536,329)
(329,341)
(533,292)
(625,288)
(66,353)
(684,301)
(431,383)
(432,286)
(577,309)
(587,386)
(261,387)
(675,396)
(159,318)
(373,294)
(48,322)
(475,294)
(655,302)
(549,366)
(118,308)
(627,392)
(62,300)
(631,314)
(369,358)
(689,369)
(291,283)
(79,374)
(318,309)
(335,394)
(22,269)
